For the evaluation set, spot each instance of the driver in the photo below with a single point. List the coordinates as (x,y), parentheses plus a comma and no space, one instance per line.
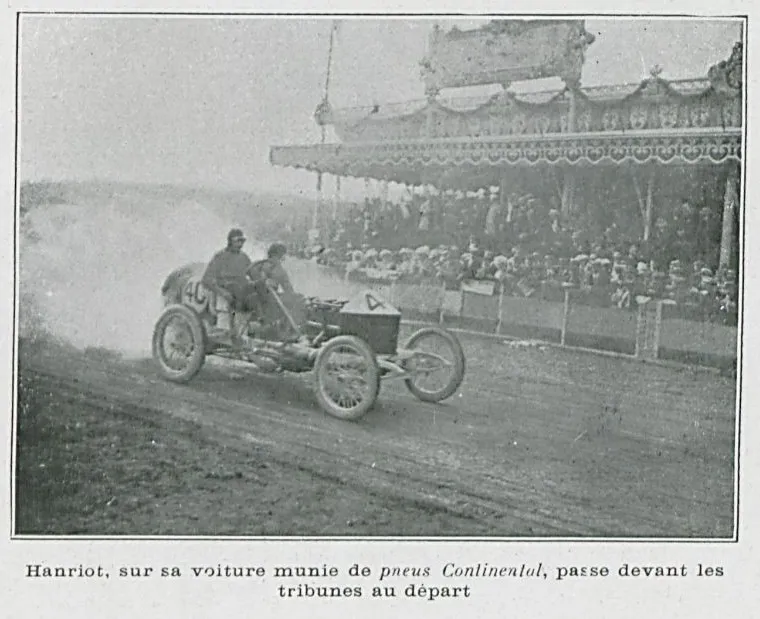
(228,275)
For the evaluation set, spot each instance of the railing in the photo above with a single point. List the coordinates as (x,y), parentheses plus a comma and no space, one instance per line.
(648,331)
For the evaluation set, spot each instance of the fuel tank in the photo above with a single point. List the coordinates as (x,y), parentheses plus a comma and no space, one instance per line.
(373,319)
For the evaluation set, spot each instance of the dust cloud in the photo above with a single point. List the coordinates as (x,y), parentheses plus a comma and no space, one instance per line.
(91,273)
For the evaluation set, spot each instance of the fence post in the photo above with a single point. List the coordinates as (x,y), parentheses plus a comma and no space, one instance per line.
(640,329)
(565,316)
(657,328)
(648,329)
(501,301)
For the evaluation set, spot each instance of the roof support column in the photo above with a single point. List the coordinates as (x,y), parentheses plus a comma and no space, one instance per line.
(314,233)
(506,204)
(333,225)
(568,184)
(336,203)
(645,201)
(649,206)
(568,192)
(730,205)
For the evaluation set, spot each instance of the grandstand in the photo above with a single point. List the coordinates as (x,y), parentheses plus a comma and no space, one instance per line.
(622,200)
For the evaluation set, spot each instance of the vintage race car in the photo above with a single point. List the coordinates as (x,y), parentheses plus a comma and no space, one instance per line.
(350,346)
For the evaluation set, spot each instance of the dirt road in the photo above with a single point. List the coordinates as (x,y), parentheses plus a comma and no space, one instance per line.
(539,442)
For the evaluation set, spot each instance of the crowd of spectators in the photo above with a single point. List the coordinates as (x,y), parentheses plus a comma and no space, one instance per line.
(528,249)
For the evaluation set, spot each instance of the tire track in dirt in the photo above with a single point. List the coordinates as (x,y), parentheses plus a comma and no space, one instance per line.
(455,457)
(408,474)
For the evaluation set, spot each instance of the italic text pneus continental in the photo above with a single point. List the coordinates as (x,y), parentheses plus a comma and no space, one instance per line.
(485,570)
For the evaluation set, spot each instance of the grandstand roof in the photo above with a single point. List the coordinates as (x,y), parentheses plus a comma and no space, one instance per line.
(694,121)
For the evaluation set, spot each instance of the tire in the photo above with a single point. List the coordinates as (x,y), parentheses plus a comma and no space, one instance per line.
(177,369)
(325,385)
(458,365)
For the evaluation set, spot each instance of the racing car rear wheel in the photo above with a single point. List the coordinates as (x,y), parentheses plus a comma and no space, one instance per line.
(347,377)
(179,343)
(437,365)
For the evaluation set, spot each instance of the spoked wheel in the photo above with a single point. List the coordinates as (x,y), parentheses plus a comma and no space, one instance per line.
(347,377)
(179,343)
(436,366)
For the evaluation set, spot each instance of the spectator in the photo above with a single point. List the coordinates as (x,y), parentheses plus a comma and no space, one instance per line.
(539,251)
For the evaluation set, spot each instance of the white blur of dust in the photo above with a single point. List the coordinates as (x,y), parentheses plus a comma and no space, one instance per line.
(93,273)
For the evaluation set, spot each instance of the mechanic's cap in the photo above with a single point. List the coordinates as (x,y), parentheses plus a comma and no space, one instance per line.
(277,250)
(235,234)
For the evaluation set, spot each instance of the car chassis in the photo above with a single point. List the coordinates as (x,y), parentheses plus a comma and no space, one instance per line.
(350,349)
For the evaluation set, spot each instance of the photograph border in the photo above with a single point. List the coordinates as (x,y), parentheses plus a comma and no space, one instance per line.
(200,14)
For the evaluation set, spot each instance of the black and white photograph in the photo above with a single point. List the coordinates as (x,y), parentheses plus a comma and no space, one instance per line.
(432,277)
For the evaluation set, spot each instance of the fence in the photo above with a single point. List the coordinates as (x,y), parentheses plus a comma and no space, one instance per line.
(648,331)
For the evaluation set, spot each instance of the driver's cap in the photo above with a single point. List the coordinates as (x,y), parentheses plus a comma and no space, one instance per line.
(235,234)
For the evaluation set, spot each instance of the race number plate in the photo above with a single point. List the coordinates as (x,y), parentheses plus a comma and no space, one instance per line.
(196,295)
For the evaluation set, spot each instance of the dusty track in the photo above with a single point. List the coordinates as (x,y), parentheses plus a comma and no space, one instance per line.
(538,442)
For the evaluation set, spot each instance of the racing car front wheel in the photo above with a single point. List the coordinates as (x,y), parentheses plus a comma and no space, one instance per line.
(436,365)
(347,377)
(179,343)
